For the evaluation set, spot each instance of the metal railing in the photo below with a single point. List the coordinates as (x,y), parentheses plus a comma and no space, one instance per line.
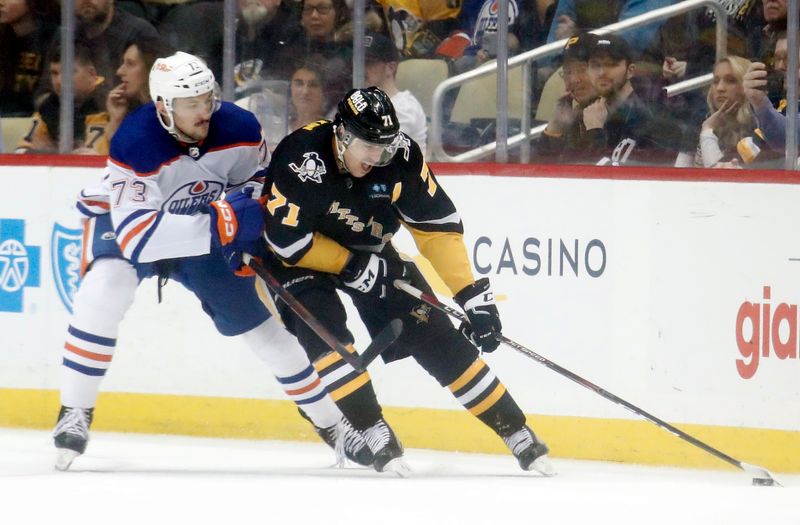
(524,60)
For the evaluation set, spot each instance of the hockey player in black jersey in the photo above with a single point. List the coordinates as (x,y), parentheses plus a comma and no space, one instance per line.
(336,194)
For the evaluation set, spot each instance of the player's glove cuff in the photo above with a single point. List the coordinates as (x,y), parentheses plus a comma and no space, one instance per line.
(477,301)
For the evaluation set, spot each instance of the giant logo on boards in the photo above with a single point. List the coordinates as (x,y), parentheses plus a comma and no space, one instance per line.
(765,331)
(19,265)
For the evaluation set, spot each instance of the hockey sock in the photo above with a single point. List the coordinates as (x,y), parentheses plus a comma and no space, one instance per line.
(352,391)
(290,365)
(486,398)
(105,295)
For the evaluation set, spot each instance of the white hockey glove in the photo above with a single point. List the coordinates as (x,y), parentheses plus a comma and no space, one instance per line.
(372,274)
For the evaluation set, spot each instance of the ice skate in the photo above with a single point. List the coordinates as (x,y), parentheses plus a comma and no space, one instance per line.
(531,453)
(347,442)
(387,449)
(71,434)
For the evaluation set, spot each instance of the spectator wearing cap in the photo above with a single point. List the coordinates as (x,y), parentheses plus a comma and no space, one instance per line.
(620,128)
(381,61)
(566,126)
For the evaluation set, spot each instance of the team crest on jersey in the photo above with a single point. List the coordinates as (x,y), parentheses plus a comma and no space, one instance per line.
(190,197)
(312,168)
(65,254)
(422,312)
(194,152)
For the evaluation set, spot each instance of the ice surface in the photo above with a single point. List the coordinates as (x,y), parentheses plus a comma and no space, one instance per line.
(142,479)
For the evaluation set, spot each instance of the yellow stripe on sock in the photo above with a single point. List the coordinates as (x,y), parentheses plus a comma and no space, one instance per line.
(487,403)
(467,376)
(327,360)
(350,387)
(330,358)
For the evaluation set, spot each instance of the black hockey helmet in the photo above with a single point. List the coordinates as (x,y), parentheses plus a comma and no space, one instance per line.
(366,126)
(369,115)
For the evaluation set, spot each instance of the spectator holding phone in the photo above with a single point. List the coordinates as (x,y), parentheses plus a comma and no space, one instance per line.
(771,121)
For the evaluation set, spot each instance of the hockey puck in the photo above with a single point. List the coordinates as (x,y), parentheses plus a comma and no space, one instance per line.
(763,482)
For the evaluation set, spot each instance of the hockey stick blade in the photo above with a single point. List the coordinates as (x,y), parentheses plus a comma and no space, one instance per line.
(761,474)
(382,341)
(358,362)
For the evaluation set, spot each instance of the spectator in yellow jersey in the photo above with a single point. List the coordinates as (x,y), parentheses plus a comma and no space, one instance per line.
(90,118)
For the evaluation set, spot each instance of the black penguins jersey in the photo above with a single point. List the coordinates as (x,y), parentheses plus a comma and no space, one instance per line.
(316,213)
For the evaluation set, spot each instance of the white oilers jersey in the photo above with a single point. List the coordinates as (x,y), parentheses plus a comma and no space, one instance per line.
(157,187)
(487,20)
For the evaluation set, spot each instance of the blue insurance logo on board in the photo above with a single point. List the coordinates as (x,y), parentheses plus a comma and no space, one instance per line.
(65,255)
(19,265)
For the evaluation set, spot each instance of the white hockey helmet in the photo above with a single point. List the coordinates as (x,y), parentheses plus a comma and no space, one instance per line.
(179,76)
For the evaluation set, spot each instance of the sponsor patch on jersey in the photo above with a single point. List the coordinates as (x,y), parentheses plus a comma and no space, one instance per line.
(190,197)
(312,168)
(379,191)
(65,255)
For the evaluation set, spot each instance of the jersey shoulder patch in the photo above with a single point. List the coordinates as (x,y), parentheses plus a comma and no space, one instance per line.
(141,144)
(305,156)
(240,127)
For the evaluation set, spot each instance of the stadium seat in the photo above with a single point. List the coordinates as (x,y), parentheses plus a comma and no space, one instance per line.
(553,89)
(421,76)
(478,99)
(13,129)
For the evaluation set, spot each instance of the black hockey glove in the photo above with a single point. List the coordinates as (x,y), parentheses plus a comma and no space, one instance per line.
(477,301)
(372,274)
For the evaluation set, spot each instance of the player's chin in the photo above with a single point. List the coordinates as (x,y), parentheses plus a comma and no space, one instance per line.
(200,132)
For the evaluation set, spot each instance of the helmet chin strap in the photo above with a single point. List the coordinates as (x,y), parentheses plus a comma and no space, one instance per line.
(340,147)
(173,130)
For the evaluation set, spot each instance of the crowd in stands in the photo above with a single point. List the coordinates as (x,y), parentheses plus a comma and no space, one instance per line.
(612,109)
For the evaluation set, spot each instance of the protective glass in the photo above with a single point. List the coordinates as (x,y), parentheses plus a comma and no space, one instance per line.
(372,153)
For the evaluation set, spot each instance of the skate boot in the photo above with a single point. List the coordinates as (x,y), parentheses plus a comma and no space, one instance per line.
(530,451)
(346,441)
(71,434)
(386,449)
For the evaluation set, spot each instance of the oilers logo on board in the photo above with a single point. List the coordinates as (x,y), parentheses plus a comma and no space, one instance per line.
(19,265)
(312,168)
(190,197)
(65,258)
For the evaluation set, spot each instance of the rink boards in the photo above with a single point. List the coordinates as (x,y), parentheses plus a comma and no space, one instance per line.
(675,291)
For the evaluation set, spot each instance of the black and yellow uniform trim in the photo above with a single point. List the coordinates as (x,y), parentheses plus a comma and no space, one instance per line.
(447,254)
(477,389)
(325,255)
(340,378)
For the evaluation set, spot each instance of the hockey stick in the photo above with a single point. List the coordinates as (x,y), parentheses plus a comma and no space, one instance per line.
(360,362)
(761,475)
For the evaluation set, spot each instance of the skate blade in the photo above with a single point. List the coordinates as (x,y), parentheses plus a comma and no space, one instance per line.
(64,458)
(543,466)
(398,467)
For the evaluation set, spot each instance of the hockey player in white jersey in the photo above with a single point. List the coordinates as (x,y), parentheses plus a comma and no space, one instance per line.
(157,213)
